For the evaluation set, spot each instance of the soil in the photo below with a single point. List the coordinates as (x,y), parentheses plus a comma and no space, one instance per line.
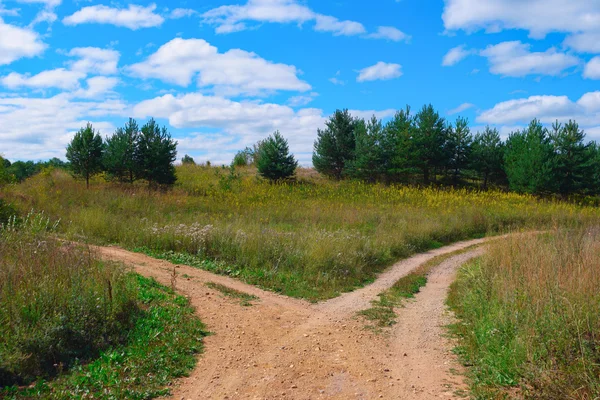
(284,348)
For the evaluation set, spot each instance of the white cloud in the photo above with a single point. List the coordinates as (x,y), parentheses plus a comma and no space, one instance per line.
(44,16)
(588,42)
(461,108)
(181,13)
(592,69)
(134,17)
(235,18)
(233,72)
(515,59)
(302,100)
(97,86)
(56,78)
(16,43)
(389,33)
(539,17)
(95,60)
(455,55)
(380,71)
(547,108)
(327,23)
(40,128)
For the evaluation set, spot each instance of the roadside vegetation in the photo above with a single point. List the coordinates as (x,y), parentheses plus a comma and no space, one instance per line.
(529,313)
(73,326)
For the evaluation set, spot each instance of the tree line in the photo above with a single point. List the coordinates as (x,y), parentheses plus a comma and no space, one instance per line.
(426,148)
(129,154)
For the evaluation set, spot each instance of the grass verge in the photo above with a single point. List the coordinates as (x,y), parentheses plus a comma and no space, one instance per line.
(382,313)
(245,298)
(529,317)
(162,345)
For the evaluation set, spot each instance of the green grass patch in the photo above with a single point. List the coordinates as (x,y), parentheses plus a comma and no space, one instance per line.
(245,298)
(162,345)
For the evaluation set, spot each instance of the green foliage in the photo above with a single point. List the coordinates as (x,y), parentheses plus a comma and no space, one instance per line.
(572,161)
(369,163)
(58,305)
(274,159)
(85,153)
(155,154)
(529,160)
(7,211)
(396,146)
(459,148)
(188,160)
(335,146)
(161,345)
(487,157)
(242,158)
(429,141)
(119,156)
(5,176)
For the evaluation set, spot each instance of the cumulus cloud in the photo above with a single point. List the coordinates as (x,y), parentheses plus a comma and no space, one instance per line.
(233,72)
(455,55)
(235,18)
(539,17)
(16,43)
(592,69)
(40,128)
(95,60)
(133,17)
(56,78)
(515,59)
(380,71)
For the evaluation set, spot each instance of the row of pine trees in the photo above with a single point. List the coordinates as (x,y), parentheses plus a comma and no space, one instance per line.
(426,148)
(131,153)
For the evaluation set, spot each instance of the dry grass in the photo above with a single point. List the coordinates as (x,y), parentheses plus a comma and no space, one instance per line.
(530,312)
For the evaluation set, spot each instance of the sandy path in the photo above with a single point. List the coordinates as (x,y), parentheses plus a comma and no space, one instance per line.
(283,348)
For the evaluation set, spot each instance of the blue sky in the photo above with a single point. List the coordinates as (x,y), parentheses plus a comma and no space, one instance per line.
(223,74)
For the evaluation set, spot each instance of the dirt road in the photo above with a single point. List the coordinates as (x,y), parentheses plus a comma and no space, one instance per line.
(283,348)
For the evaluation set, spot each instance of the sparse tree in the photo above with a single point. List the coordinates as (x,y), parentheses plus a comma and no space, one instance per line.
(85,153)
(334,148)
(119,156)
(274,159)
(155,154)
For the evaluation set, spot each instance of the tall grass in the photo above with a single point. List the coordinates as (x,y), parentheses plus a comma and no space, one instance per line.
(311,239)
(530,317)
(58,304)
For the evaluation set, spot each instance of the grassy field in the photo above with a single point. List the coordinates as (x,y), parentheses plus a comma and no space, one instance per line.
(72,326)
(530,317)
(312,239)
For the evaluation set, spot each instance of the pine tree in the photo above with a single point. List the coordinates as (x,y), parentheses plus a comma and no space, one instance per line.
(429,142)
(487,157)
(119,157)
(85,153)
(188,160)
(572,162)
(529,160)
(274,159)
(396,144)
(335,146)
(370,161)
(155,154)
(459,147)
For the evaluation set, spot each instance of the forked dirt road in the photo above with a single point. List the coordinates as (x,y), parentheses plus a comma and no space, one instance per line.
(283,348)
